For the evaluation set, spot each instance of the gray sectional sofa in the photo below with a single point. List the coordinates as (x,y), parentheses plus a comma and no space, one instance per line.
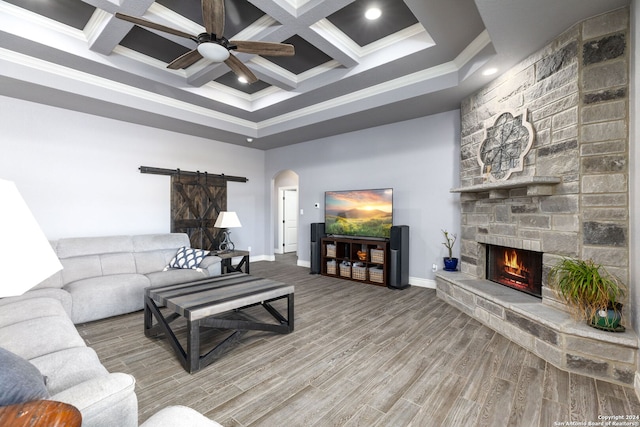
(106,276)
(102,277)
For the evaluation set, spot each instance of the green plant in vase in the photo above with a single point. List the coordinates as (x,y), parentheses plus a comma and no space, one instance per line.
(592,293)
(450,263)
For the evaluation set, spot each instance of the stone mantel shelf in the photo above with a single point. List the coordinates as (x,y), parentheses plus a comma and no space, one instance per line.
(535,185)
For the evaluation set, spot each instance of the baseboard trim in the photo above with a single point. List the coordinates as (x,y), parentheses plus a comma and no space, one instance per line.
(255,258)
(302,263)
(413,281)
(422,283)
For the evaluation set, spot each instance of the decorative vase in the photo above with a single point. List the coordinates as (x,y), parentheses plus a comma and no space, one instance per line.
(609,319)
(450,264)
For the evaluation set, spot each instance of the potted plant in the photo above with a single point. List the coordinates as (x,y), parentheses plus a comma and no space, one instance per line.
(450,263)
(592,293)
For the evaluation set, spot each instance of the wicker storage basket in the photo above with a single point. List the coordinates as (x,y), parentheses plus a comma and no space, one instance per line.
(377,255)
(359,273)
(345,270)
(331,250)
(331,267)
(375,275)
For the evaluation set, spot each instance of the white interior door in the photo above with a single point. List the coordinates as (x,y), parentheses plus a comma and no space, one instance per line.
(290,220)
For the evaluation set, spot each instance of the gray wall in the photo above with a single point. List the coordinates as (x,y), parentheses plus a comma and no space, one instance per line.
(418,158)
(79,173)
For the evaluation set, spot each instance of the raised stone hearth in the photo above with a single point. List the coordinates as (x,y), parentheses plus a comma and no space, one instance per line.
(545,331)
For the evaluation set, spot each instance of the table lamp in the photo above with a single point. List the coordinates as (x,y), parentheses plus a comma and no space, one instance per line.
(227,219)
(26,257)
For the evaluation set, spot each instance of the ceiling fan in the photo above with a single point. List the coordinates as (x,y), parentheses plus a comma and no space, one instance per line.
(213,45)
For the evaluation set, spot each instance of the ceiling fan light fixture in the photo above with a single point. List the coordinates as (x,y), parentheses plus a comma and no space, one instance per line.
(213,51)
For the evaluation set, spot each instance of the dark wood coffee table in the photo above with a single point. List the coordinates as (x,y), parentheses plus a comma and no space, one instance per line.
(201,303)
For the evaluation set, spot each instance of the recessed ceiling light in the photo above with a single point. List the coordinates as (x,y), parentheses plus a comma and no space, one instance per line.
(242,80)
(372,13)
(489,71)
(249,140)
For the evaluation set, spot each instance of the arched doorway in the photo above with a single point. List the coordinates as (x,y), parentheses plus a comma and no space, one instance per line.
(286,226)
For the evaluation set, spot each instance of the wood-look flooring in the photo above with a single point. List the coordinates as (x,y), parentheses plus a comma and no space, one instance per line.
(360,355)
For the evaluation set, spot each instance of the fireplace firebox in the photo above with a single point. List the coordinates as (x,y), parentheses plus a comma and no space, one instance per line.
(516,268)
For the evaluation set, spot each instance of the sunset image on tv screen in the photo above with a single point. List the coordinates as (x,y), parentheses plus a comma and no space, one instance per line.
(364,213)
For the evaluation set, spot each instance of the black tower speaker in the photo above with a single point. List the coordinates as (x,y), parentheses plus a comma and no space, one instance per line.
(399,257)
(317,233)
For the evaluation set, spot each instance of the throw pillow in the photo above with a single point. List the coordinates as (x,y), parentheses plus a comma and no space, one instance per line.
(20,381)
(187,258)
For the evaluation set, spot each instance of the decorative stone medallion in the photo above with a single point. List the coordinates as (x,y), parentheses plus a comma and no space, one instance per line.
(505,145)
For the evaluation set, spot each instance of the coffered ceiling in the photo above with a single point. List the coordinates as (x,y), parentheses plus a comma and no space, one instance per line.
(420,57)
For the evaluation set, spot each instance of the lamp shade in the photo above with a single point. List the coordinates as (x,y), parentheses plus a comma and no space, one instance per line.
(227,220)
(26,257)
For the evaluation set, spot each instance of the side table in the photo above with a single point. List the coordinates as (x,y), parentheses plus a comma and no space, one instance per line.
(227,257)
(40,413)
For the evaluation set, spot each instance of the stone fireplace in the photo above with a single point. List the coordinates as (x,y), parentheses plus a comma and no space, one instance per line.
(567,196)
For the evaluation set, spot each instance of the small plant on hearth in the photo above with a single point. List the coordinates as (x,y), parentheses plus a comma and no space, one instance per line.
(591,292)
(450,241)
(450,263)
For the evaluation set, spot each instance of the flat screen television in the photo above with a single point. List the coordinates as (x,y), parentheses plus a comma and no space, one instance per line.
(359,213)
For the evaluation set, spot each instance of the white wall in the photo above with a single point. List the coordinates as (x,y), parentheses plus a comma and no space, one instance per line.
(79,173)
(419,158)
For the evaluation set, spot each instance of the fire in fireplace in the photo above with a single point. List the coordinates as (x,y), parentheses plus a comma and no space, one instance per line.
(516,268)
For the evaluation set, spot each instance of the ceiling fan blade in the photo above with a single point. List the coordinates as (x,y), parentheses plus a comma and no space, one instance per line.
(186,60)
(144,23)
(213,16)
(263,48)
(240,69)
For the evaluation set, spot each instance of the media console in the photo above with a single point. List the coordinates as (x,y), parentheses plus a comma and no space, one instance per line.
(380,262)
(362,260)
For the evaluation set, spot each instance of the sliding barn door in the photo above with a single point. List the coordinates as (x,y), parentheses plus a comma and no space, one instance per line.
(196,201)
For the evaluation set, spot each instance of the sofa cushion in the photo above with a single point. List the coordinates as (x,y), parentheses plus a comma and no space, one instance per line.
(187,258)
(40,335)
(20,381)
(104,399)
(80,267)
(67,368)
(83,246)
(58,294)
(21,308)
(117,263)
(154,242)
(106,296)
(176,275)
(152,261)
